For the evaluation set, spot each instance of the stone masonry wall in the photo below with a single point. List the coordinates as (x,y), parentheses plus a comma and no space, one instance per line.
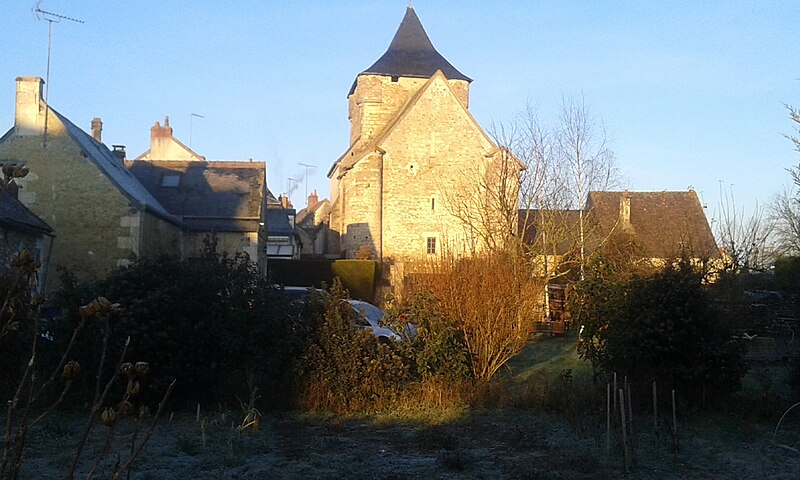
(378,99)
(434,157)
(90,217)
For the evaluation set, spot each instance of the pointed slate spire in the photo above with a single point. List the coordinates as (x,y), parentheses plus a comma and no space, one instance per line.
(411,54)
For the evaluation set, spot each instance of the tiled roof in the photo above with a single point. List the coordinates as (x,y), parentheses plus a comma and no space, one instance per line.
(15,215)
(112,168)
(411,54)
(308,211)
(221,196)
(664,224)
(555,228)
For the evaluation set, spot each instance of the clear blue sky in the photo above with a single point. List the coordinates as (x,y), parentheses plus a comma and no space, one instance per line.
(690,93)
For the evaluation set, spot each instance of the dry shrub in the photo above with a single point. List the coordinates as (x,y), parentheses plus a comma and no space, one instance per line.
(434,397)
(492,299)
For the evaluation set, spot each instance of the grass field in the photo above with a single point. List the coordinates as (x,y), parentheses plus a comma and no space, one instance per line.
(512,440)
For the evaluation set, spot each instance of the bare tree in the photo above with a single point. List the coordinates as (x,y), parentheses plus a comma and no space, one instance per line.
(786,205)
(586,159)
(746,239)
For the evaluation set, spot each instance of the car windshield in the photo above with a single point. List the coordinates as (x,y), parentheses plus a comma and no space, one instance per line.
(372,313)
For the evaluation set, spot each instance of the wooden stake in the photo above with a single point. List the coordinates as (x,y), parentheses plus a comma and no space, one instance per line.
(198,413)
(674,422)
(655,413)
(615,391)
(630,408)
(608,419)
(624,430)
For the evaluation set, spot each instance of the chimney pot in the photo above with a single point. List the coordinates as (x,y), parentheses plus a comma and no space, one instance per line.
(625,210)
(313,199)
(97,129)
(119,153)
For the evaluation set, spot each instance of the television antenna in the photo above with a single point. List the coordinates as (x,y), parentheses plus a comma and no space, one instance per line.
(50,18)
(307,166)
(191,117)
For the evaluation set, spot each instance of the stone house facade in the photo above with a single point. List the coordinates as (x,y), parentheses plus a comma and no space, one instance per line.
(102,215)
(659,226)
(226,200)
(418,166)
(311,226)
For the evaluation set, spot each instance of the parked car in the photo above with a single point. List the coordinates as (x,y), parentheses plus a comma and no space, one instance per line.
(365,315)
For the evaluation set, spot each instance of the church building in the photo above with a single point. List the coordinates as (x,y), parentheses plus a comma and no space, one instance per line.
(415,179)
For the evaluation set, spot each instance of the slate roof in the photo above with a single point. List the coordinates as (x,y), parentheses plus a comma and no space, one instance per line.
(17,216)
(411,54)
(664,224)
(113,169)
(278,221)
(207,196)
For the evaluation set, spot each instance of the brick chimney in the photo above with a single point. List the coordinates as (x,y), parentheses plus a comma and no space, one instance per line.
(313,200)
(625,210)
(160,140)
(30,108)
(285,202)
(97,129)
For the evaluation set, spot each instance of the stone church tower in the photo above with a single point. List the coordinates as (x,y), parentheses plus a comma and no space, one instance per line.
(410,184)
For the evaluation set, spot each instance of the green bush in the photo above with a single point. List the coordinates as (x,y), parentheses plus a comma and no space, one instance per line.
(213,323)
(438,349)
(345,369)
(787,274)
(359,277)
(658,327)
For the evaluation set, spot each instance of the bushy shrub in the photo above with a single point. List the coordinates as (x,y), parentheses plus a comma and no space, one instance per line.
(438,349)
(787,273)
(346,369)
(213,323)
(659,327)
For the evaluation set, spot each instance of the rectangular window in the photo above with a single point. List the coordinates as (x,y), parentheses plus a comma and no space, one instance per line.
(170,180)
(431,245)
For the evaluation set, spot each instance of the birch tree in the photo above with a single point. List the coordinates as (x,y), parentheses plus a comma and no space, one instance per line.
(586,159)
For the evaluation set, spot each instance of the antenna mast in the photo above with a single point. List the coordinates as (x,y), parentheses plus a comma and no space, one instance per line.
(51,18)
(307,166)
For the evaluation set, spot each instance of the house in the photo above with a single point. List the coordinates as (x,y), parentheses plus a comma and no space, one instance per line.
(226,200)
(410,185)
(658,225)
(101,213)
(282,239)
(663,225)
(311,226)
(21,229)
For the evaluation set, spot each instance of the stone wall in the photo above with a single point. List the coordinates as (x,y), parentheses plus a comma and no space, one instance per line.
(96,227)
(377,99)
(426,179)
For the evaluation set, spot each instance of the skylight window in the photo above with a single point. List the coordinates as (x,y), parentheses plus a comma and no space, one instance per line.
(170,180)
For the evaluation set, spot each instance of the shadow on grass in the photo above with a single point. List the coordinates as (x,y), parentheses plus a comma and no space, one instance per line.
(547,355)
